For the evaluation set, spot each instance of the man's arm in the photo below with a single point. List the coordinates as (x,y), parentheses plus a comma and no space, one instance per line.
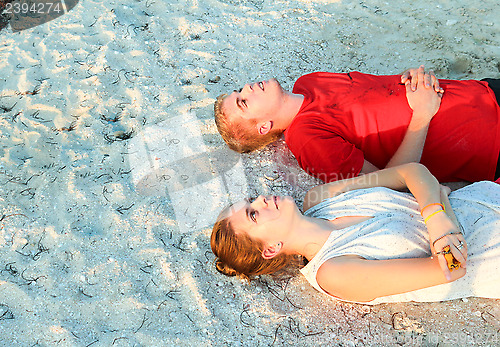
(412,145)
(368,167)
(425,103)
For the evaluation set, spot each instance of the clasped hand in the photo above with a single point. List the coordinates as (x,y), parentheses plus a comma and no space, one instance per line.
(422,92)
(443,232)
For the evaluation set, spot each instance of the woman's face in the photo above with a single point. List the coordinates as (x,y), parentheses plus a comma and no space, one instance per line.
(267,218)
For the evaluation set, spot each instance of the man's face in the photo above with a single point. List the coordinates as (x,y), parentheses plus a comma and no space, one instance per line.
(254,103)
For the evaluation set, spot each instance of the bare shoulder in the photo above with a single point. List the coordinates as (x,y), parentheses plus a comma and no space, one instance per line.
(335,272)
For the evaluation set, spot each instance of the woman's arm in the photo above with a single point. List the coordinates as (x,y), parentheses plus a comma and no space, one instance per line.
(426,190)
(413,176)
(357,279)
(445,191)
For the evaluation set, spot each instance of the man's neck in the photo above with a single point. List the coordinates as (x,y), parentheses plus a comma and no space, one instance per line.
(291,107)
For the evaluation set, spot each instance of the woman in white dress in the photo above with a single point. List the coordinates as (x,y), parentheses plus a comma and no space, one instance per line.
(366,243)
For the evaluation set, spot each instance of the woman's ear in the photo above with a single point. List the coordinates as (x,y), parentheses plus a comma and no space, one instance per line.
(271,251)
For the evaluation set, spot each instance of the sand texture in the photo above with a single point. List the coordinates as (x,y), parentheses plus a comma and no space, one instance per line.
(112,170)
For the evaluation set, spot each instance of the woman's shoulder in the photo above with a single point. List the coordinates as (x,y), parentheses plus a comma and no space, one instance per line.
(333,273)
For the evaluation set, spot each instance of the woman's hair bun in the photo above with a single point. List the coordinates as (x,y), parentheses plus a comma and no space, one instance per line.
(223,268)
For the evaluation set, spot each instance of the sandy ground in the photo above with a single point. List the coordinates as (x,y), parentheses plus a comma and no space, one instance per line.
(111,169)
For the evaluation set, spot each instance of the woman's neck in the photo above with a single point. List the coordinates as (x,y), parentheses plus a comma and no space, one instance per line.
(309,235)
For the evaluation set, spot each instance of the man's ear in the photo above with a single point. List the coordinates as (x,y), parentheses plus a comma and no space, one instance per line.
(271,251)
(265,127)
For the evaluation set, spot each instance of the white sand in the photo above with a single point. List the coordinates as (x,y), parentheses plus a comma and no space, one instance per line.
(104,238)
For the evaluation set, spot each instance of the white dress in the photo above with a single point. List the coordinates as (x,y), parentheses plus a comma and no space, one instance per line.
(397,230)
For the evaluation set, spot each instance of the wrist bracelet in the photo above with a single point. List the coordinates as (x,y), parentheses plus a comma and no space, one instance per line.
(435,203)
(431,215)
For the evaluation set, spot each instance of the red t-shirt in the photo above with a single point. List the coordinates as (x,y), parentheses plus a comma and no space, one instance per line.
(346,118)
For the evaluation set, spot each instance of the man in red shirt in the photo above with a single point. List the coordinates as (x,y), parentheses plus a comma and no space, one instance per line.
(341,125)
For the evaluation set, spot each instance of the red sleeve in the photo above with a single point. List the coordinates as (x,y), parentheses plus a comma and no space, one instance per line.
(330,158)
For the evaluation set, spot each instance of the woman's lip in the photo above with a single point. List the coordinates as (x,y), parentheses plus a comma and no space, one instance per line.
(276,200)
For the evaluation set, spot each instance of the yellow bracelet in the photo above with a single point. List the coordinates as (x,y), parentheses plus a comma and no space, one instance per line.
(432,214)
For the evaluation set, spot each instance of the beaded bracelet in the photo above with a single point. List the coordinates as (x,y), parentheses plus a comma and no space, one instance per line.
(435,203)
